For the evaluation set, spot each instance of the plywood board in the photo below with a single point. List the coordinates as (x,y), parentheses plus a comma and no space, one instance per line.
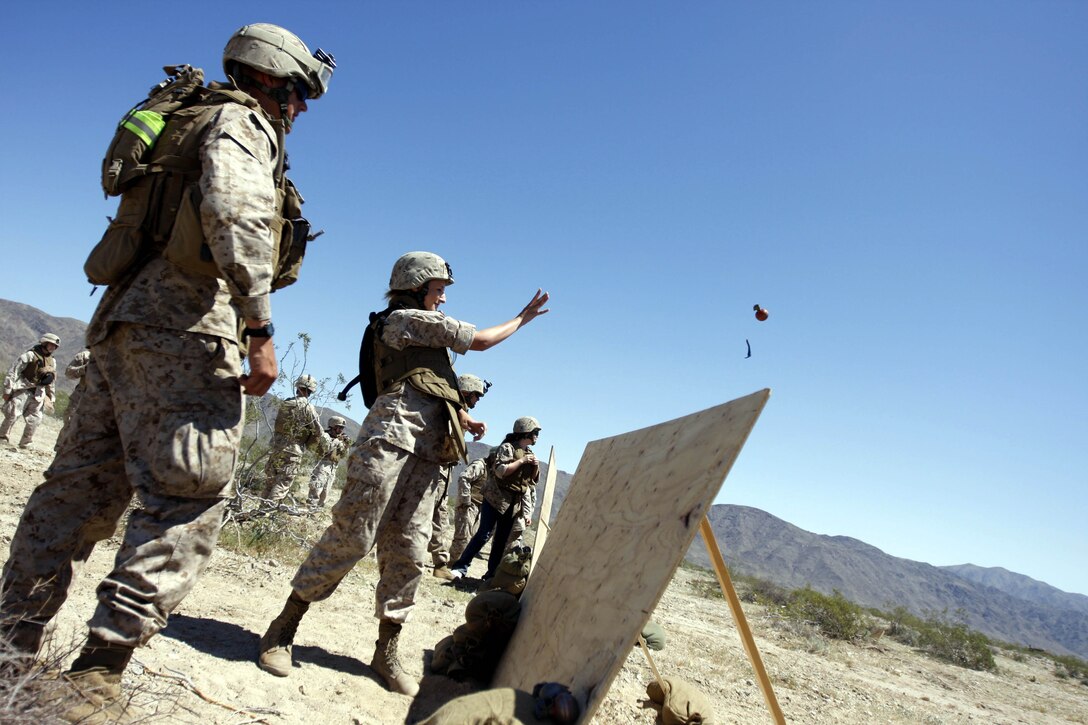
(633,508)
(544,523)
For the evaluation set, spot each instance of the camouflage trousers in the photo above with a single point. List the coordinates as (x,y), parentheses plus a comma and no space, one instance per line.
(466,519)
(440,553)
(161,417)
(321,480)
(387,503)
(27,403)
(280,474)
(73,400)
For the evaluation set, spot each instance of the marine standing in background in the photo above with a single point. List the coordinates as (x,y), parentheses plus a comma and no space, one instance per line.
(333,447)
(509,497)
(472,389)
(162,414)
(297,428)
(30,387)
(75,371)
(413,432)
(467,513)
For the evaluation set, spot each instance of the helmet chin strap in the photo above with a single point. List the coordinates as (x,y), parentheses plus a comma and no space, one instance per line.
(281,95)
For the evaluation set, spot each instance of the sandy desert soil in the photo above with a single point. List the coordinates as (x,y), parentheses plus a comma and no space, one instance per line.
(201,668)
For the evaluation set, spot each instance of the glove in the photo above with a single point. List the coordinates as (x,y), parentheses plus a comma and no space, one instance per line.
(47,378)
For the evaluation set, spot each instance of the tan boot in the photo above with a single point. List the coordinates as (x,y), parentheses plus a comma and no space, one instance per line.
(276,643)
(95,683)
(387,664)
(443,572)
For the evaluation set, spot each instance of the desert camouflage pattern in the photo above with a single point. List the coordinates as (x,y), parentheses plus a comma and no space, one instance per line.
(297,428)
(238,159)
(324,473)
(440,553)
(161,418)
(525,503)
(161,414)
(75,371)
(78,367)
(386,503)
(467,512)
(404,416)
(499,497)
(394,474)
(26,399)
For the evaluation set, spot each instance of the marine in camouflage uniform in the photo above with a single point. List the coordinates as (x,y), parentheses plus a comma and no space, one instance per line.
(397,465)
(161,414)
(472,390)
(467,514)
(509,497)
(297,428)
(75,371)
(29,386)
(334,445)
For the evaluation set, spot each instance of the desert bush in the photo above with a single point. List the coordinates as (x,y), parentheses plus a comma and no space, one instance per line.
(835,616)
(953,642)
(1069,667)
(60,404)
(707,589)
(760,591)
(942,638)
(283,537)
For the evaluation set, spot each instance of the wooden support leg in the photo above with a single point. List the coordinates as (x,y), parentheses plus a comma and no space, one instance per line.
(742,624)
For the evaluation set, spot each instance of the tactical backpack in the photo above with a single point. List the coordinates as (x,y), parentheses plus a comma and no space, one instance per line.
(157,173)
(366,379)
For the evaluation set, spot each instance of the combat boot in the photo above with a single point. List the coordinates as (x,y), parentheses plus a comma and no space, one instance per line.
(95,681)
(387,664)
(276,643)
(443,572)
(27,437)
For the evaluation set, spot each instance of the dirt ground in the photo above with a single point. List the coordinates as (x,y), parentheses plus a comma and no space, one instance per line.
(201,668)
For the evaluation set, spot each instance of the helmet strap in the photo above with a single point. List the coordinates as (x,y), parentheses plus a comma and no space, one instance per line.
(281,95)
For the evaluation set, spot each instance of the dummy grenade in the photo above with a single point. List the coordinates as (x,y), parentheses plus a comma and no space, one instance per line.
(555,701)
(761,314)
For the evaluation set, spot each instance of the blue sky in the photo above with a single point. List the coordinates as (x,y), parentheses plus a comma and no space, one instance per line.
(902,185)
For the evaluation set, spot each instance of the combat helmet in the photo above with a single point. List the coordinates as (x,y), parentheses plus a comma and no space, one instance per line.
(306,382)
(526,424)
(469,383)
(281,54)
(415,269)
(51,338)
(336,421)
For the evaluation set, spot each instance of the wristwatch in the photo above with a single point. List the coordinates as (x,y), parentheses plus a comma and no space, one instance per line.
(267,331)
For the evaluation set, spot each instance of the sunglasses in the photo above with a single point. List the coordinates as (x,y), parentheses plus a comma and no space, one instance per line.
(300,88)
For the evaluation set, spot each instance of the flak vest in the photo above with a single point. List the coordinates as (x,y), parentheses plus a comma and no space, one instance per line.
(522,479)
(41,364)
(294,422)
(428,370)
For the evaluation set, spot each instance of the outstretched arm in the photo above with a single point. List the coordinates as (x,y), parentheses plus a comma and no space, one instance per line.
(491,336)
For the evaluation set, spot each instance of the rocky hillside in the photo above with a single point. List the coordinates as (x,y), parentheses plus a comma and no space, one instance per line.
(756,543)
(1020,586)
(21,326)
